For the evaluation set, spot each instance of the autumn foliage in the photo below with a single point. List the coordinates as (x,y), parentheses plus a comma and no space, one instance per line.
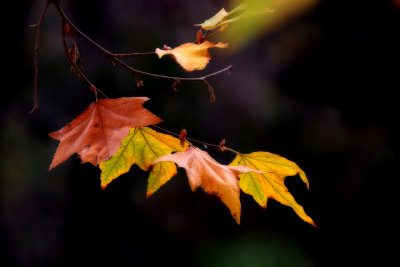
(97,133)
(115,134)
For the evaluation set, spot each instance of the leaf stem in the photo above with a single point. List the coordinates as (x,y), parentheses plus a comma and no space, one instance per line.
(206,37)
(197,141)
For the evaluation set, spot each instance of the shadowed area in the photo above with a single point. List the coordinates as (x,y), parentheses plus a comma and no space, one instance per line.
(319,91)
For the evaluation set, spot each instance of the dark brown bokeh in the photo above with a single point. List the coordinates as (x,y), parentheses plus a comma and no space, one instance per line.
(319,91)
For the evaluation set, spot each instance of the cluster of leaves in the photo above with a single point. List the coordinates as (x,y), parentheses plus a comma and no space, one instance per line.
(114,134)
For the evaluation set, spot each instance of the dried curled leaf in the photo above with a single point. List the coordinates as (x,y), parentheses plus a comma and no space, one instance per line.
(191,56)
(142,146)
(214,21)
(270,184)
(75,57)
(203,171)
(96,134)
(223,18)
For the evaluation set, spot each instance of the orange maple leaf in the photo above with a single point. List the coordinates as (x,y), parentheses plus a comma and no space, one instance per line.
(191,56)
(220,180)
(97,133)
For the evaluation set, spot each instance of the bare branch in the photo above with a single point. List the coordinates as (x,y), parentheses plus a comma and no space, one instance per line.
(117,58)
(134,54)
(36,68)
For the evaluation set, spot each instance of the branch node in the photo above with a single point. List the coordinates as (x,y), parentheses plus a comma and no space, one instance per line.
(222,147)
(182,137)
(176,85)
(199,37)
(139,83)
(112,61)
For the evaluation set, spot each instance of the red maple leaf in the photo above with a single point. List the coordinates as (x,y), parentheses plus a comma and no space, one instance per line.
(97,133)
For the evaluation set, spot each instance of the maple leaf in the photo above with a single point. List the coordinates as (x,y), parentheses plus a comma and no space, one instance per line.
(96,134)
(142,146)
(270,184)
(191,56)
(220,180)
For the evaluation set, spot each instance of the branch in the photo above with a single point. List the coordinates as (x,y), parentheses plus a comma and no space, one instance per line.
(116,58)
(36,68)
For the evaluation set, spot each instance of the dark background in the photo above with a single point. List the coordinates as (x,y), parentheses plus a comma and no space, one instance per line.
(320,91)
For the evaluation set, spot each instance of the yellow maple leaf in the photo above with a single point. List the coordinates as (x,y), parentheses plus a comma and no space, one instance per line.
(143,146)
(191,56)
(270,184)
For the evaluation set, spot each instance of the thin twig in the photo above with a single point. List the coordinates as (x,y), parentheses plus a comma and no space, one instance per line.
(197,141)
(227,69)
(73,63)
(206,37)
(36,68)
(197,79)
(134,54)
